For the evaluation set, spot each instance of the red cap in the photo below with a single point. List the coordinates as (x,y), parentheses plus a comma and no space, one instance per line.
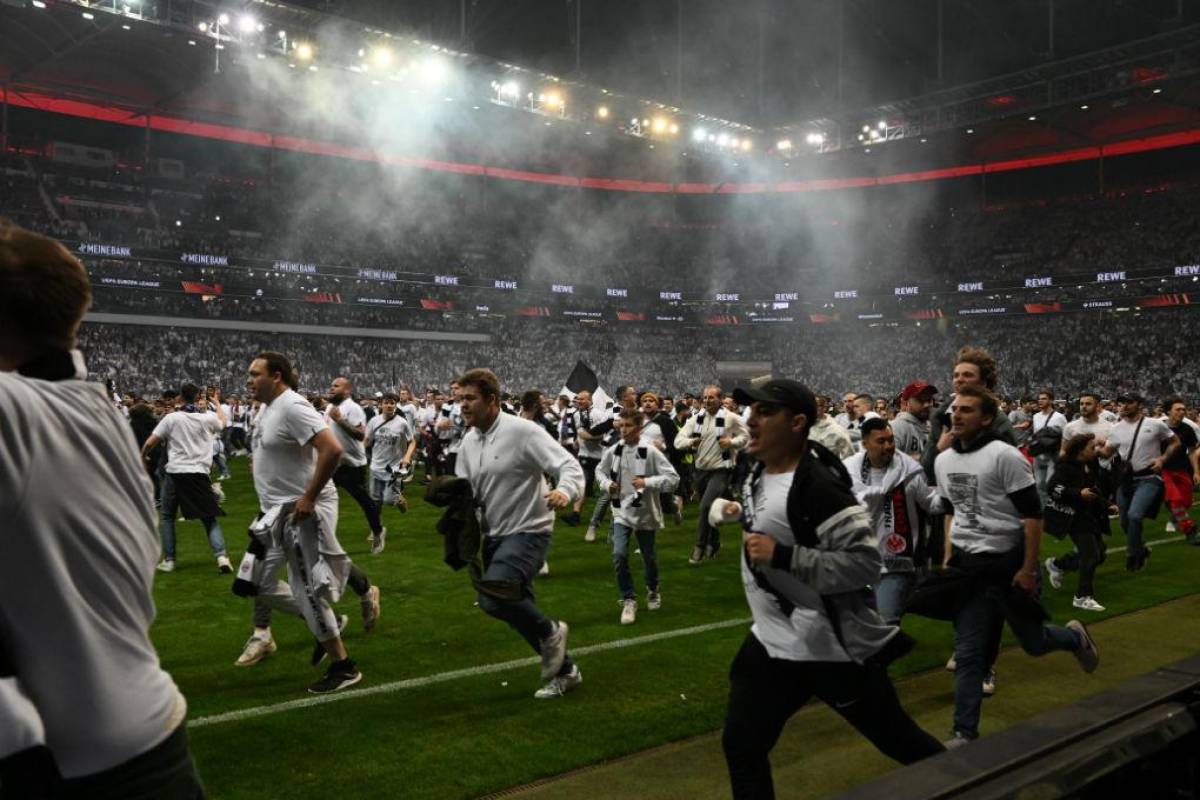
(917,388)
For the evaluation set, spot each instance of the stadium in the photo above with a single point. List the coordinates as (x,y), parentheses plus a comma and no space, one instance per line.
(623,211)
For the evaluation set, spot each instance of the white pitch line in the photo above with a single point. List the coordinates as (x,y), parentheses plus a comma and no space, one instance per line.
(442,677)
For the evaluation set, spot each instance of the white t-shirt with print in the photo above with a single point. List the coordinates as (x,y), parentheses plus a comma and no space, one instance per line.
(389,439)
(978,484)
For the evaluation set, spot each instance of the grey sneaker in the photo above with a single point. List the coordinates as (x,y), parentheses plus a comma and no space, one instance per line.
(378,541)
(1087,604)
(166,565)
(560,685)
(1088,654)
(989,683)
(371,608)
(696,557)
(590,534)
(1054,573)
(554,650)
(653,601)
(628,611)
(951,664)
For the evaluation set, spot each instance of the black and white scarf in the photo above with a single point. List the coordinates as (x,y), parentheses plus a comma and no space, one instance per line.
(640,457)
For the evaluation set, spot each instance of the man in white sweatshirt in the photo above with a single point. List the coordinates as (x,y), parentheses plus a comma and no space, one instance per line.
(635,475)
(506,459)
(716,435)
(892,487)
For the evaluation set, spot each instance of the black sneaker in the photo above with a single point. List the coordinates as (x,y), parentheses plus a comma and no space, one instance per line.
(319,654)
(571,519)
(339,675)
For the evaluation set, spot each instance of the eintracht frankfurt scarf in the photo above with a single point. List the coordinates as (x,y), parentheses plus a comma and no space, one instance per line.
(639,471)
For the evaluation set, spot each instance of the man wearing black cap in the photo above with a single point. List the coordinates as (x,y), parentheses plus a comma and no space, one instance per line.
(911,425)
(1144,445)
(808,556)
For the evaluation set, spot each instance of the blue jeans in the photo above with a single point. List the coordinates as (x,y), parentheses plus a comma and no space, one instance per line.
(891,592)
(620,557)
(518,556)
(381,490)
(974,626)
(603,501)
(1135,505)
(168,508)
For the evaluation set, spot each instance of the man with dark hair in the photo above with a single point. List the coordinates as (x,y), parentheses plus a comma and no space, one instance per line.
(626,398)
(505,459)
(77,668)
(1144,445)
(891,485)
(392,445)
(808,556)
(716,435)
(294,457)
(829,434)
(1046,433)
(635,474)
(994,535)
(590,447)
(189,434)
(1182,470)
(349,424)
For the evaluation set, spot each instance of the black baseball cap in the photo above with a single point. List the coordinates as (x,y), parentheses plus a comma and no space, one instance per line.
(1131,397)
(788,393)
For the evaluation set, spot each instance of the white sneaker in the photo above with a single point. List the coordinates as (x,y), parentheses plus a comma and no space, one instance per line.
(378,542)
(951,665)
(257,648)
(371,608)
(166,565)
(544,569)
(653,601)
(1170,526)
(554,650)
(590,536)
(628,611)
(1054,573)
(1087,604)
(989,683)
(560,685)
(223,565)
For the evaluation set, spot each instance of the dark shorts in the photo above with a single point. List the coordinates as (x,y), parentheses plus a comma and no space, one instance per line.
(193,492)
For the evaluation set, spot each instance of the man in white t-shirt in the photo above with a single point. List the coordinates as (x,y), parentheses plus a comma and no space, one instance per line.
(1044,423)
(392,447)
(1091,420)
(77,554)
(450,428)
(1143,444)
(995,534)
(349,424)
(294,457)
(189,434)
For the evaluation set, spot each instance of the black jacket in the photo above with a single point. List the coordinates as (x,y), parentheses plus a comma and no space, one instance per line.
(1069,480)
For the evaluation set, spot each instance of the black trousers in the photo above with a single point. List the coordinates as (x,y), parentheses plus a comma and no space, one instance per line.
(765,692)
(589,474)
(353,480)
(1090,552)
(164,772)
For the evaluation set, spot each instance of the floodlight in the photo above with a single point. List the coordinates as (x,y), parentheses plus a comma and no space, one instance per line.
(381,56)
(223,19)
(882,125)
(304,51)
(39,4)
(722,139)
(699,134)
(746,145)
(203,26)
(247,23)
(660,125)
(602,112)
(786,144)
(510,89)
(433,71)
